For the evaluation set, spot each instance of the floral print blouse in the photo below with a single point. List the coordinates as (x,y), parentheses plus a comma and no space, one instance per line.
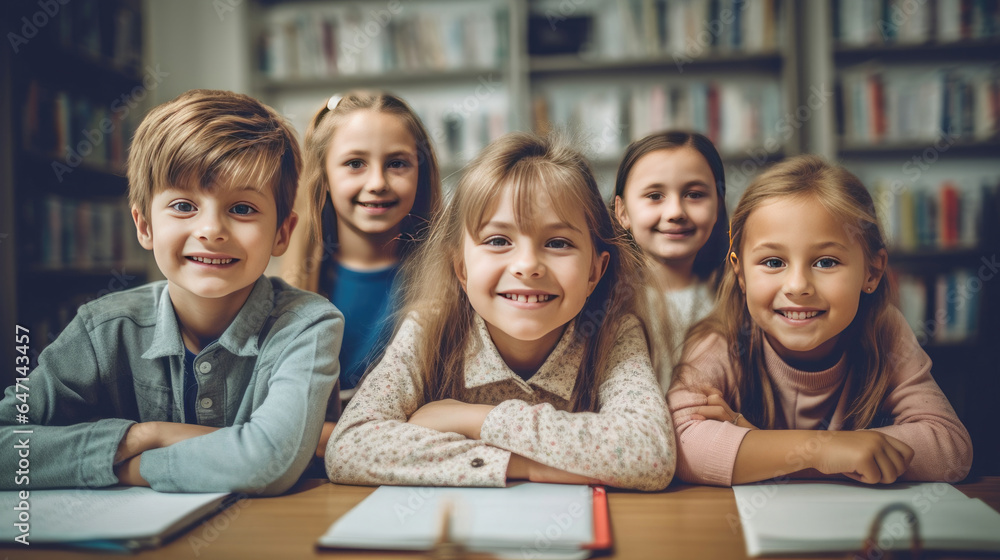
(628,443)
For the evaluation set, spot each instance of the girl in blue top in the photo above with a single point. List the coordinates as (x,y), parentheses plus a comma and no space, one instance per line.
(370,184)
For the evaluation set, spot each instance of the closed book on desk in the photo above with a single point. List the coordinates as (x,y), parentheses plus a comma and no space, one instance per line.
(801,517)
(527,520)
(120,518)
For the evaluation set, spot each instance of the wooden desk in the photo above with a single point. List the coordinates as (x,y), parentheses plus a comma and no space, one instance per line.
(681,522)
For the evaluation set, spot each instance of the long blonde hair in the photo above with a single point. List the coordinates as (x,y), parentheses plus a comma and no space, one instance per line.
(866,341)
(524,166)
(316,241)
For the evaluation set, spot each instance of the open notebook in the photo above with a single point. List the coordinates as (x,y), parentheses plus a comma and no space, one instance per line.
(125,518)
(802,517)
(526,520)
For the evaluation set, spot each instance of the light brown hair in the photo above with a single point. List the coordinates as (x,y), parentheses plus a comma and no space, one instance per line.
(317,232)
(525,167)
(210,138)
(866,341)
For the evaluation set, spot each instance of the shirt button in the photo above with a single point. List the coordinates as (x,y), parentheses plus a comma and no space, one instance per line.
(206,402)
(205,367)
(477,462)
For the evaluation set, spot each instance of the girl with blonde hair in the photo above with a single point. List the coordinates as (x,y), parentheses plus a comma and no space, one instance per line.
(520,355)
(370,184)
(806,366)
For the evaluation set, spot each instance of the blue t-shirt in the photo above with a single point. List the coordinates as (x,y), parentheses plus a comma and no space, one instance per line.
(367,299)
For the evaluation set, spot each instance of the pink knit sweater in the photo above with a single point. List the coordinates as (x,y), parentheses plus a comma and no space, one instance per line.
(921,415)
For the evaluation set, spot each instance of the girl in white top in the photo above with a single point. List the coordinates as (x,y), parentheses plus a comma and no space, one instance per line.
(670,196)
(520,355)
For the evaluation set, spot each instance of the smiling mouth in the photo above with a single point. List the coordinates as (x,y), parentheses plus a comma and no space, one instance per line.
(798,315)
(520,298)
(378,204)
(205,260)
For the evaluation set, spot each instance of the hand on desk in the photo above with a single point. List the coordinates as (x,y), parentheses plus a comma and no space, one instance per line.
(144,436)
(522,468)
(865,456)
(450,415)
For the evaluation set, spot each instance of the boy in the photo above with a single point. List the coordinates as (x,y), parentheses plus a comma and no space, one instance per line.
(217,378)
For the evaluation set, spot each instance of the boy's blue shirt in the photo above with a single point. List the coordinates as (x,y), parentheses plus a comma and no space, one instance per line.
(266,381)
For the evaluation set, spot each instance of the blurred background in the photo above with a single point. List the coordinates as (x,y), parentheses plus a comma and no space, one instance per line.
(904,93)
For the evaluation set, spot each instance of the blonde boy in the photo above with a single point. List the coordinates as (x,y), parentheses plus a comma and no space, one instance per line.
(217,378)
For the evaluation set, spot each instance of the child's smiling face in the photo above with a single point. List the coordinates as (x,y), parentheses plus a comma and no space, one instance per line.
(527,284)
(670,204)
(803,276)
(371,166)
(213,243)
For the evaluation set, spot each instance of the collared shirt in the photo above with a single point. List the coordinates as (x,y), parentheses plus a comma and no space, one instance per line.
(627,443)
(265,382)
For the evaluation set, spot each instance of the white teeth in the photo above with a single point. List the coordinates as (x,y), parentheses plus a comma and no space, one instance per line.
(800,315)
(520,298)
(211,261)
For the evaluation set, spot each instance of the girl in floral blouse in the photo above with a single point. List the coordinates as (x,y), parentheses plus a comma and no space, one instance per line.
(521,354)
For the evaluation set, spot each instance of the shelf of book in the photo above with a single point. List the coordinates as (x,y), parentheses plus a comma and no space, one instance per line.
(341,82)
(972,50)
(964,148)
(918,118)
(677,64)
(75,96)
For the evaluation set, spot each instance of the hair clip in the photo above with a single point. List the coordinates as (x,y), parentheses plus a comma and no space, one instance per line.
(334,100)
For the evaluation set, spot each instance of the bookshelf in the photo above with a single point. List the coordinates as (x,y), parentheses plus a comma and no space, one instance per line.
(72,85)
(917,118)
(544,62)
(452,61)
(610,72)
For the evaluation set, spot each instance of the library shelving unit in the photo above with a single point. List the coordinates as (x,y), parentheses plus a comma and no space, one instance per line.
(72,90)
(452,61)
(474,70)
(918,119)
(610,73)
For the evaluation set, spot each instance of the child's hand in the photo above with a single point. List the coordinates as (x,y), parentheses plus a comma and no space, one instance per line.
(450,415)
(144,436)
(522,468)
(866,456)
(716,408)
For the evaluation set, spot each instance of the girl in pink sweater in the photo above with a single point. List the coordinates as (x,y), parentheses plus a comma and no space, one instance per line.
(805,367)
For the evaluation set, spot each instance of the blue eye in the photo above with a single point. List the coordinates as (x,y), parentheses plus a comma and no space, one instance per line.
(559,244)
(183,206)
(772,263)
(827,262)
(497,242)
(243,209)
